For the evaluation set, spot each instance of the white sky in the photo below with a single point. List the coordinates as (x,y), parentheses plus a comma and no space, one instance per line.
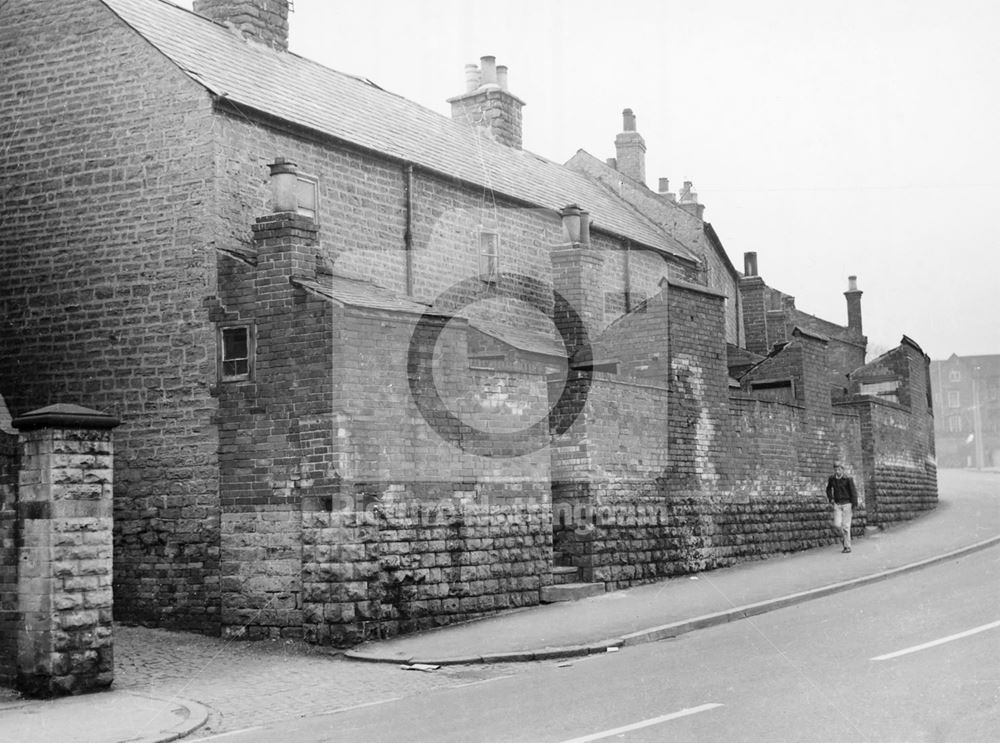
(833,138)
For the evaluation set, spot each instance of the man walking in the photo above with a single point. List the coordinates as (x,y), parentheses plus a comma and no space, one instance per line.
(840,491)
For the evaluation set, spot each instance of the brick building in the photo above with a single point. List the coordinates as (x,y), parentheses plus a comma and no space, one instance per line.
(379,369)
(967,398)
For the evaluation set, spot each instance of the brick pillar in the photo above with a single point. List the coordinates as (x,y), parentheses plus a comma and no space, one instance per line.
(64,509)
(274,439)
(576,276)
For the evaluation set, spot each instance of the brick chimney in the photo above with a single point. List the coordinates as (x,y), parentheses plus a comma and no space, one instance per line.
(263,21)
(664,191)
(753,300)
(689,201)
(487,105)
(577,275)
(853,295)
(631,149)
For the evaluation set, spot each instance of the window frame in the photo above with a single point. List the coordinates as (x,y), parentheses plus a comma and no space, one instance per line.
(305,179)
(489,255)
(251,346)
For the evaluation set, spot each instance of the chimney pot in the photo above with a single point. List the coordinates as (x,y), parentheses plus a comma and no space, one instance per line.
(489,68)
(664,185)
(471,77)
(628,120)
(750,263)
(852,283)
(571,218)
(487,105)
(284,179)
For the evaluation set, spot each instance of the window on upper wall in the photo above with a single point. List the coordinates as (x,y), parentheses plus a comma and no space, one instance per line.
(236,353)
(778,390)
(888,389)
(954,399)
(955,375)
(489,255)
(307,193)
(955,423)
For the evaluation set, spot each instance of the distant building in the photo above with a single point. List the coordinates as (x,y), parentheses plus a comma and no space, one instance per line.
(967,404)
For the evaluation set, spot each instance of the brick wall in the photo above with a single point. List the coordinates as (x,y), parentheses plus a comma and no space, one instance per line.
(107,169)
(898,438)
(737,478)
(413,566)
(333,480)
(9,616)
(427,529)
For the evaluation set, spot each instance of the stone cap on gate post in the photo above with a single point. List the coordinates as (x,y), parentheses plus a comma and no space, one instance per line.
(65,415)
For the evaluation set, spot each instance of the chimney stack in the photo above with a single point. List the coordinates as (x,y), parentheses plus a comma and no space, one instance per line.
(487,105)
(753,304)
(853,295)
(263,21)
(630,148)
(689,201)
(664,190)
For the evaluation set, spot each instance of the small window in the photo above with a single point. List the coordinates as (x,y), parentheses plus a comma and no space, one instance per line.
(955,423)
(307,193)
(954,401)
(955,375)
(778,390)
(887,389)
(489,256)
(236,353)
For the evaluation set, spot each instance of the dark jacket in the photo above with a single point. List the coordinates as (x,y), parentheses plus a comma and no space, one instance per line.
(842,490)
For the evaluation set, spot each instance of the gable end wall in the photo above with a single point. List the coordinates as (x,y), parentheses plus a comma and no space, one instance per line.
(106,183)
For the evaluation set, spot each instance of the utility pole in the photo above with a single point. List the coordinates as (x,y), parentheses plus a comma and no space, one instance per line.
(977,420)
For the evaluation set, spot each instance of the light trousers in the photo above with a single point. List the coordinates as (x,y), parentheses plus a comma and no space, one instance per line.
(842,522)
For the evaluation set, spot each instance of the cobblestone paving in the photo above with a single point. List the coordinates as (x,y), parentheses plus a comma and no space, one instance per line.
(245,684)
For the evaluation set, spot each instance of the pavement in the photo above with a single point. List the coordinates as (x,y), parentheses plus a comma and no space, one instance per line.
(170,685)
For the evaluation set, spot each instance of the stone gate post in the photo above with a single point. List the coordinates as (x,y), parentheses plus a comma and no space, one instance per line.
(64,510)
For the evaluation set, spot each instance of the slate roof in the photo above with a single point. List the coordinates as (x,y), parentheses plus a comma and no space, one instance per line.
(356,293)
(351,292)
(531,341)
(825,328)
(355,110)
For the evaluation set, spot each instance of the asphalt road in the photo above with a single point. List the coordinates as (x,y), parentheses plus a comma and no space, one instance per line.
(857,666)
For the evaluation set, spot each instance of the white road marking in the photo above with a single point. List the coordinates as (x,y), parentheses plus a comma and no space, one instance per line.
(226,735)
(482,681)
(932,643)
(644,723)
